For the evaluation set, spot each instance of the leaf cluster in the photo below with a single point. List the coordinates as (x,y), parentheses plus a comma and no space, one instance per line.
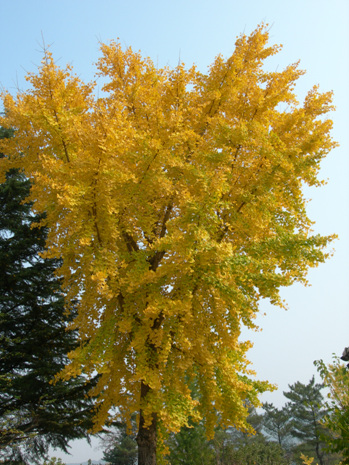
(336,378)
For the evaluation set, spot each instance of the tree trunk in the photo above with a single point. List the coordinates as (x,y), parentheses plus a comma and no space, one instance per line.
(146,438)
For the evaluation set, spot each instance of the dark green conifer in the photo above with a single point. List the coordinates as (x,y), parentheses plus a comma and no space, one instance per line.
(307,412)
(34,413)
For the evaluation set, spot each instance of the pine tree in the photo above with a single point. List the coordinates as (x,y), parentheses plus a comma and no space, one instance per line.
(307,410)
(277,424)
(33,339)
(258,451)
(123,450)
(191,446)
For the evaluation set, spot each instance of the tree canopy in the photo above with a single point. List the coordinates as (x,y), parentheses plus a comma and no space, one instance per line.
(175,201)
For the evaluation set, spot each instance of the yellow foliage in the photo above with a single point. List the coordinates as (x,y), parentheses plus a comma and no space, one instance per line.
(175,203)
(307,460)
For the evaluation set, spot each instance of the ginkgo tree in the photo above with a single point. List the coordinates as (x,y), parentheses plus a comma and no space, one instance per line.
(336,378)
(175,201)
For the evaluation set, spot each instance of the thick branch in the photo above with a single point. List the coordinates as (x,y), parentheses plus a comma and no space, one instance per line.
(166,218)
(155,260)
(131,244)
(146,437)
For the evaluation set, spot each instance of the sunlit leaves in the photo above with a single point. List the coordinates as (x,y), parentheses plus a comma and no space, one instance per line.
(175,201)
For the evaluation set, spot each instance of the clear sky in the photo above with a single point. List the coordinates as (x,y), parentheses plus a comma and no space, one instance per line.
(195,31)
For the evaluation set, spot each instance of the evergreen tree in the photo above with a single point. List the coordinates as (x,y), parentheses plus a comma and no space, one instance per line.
(258,451)
(191,446)
(277,424)
(34,412)
(124,452)
(121,447)
(307,409)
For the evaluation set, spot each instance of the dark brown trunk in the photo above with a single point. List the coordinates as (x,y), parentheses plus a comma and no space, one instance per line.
(146,438)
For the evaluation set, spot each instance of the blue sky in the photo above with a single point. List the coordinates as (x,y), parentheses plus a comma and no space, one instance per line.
(195,31)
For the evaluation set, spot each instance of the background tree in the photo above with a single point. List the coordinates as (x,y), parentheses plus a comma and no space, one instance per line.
(34,414)
(307,408)
(119,444)
(258,451)
(277,424)
(191,446)
(336,378)
(123,451)
(54,461)
(175,203)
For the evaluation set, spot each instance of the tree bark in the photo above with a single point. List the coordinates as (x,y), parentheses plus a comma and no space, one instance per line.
(146,437)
